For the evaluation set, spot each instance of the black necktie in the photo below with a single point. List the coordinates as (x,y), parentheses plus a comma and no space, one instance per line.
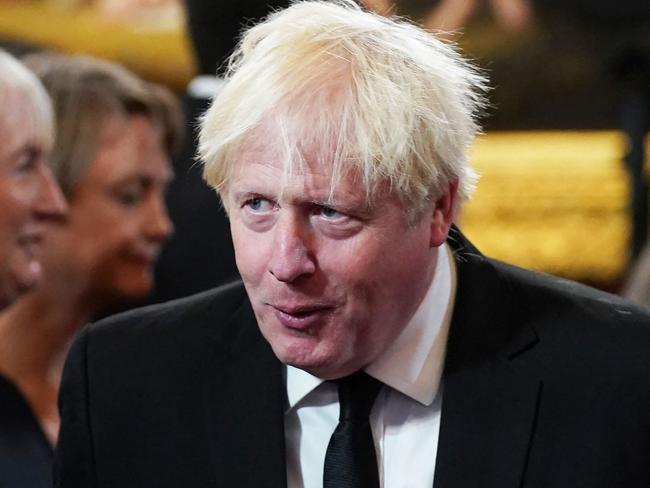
(350,460)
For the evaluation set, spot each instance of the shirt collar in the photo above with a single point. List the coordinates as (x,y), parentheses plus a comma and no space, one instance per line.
(413,363)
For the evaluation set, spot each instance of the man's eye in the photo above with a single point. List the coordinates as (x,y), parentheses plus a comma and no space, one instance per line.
(330,214)
(257,204)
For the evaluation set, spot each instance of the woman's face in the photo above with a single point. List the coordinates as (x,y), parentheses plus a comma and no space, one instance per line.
(29,199)
(117,220)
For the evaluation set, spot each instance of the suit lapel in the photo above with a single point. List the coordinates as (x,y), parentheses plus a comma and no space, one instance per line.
(489,402)
(246,429)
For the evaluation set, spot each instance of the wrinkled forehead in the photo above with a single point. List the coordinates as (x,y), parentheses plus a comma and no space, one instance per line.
(294,154)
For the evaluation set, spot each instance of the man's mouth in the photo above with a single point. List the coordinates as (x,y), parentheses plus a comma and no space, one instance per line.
(301,317)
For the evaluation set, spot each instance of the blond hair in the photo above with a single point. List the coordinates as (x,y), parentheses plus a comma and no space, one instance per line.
(20,86)
(88,94)
(379,98)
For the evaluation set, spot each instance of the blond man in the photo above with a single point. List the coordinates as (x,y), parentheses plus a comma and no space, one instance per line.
(369,343)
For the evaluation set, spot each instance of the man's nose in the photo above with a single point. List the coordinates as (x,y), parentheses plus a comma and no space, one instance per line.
(50,202)
(292,255)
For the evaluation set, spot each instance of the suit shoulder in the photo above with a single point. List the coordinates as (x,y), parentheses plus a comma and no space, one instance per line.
(181,317)
(552,303)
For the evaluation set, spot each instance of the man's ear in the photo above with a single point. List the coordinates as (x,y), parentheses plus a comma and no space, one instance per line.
(444,213)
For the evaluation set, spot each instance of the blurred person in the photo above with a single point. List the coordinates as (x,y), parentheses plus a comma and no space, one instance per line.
(637,285)
(370,344)
(451,15)
(30,200)
(611,39)
(111,158)
(29,195)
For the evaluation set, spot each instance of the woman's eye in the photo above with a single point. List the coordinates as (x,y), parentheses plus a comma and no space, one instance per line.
(27,161)
(128,197)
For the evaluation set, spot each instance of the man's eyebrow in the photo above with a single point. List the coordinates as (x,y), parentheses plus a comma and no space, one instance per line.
(357,204)
(241,193)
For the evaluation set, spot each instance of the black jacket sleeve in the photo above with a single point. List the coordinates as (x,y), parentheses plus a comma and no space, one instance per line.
(74,464)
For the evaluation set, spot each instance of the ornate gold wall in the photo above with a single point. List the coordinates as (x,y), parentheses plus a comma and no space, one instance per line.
(552,201)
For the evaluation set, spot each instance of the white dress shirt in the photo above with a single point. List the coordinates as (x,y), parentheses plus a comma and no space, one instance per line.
(405,419)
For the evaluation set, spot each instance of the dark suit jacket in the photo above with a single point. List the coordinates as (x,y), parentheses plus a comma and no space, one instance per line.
(546,384)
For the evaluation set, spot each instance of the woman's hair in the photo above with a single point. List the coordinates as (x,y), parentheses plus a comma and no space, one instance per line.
(88,94)
(21,91)
(335,85)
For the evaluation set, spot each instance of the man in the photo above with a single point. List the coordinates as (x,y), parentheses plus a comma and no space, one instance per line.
(338,148)
(200,254)
(29,195)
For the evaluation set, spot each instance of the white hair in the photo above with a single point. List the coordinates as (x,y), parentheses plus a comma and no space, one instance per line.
(21,91)
(379,98)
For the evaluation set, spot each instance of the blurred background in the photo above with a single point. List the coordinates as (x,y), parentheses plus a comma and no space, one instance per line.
(563,158)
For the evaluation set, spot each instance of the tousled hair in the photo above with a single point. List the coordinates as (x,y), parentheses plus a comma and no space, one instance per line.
(335,85)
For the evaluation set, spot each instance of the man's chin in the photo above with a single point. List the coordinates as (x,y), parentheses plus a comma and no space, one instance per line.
(307,360)
(322,367)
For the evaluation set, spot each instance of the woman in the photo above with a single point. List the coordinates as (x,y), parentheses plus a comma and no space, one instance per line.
(111,158)
(29,196)
(29,201)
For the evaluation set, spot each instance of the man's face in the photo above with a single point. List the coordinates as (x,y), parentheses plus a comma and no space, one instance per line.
(332,281)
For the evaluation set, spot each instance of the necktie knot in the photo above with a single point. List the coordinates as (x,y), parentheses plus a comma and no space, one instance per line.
(357,394)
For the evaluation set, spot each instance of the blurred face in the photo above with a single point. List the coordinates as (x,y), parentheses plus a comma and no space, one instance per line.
(332,281)
(117,220)
(29,199)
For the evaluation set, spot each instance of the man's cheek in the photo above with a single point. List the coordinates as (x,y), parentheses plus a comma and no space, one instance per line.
(251,266)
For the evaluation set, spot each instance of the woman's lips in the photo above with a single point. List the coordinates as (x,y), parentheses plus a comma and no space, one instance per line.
(146,257)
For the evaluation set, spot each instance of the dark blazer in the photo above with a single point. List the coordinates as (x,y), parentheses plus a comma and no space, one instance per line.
(546,384)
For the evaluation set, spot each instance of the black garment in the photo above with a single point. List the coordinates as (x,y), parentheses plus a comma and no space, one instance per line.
(25,452)
(199,255)
(546,384)
(214,27)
